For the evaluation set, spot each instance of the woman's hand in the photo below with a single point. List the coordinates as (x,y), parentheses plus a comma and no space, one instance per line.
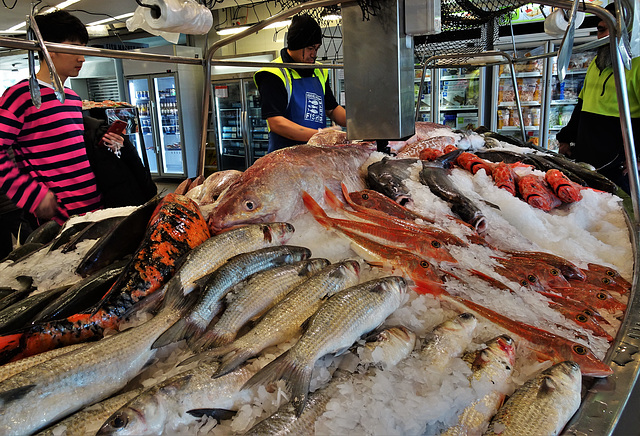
(114,142)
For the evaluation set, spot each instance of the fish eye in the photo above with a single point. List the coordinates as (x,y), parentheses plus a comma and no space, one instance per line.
(435,244)
(580,349)
(523,282)
(581,317)
(610,273)
(424,264)
(606,281)
(601,296)
(532,278)
(555,272)
(587,312)
(249,205)
(365,196)
(118,422)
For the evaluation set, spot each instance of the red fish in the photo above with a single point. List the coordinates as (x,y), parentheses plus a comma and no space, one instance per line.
(576,305)
(370,199)
(568,269)
(565,189)
(535,271)
(419,243)
(430,154)
(473,163)
(176,227)
(546,345)
(593,296)
(450,148)
(504,177)
(437,142)
(535,191)
(606,278)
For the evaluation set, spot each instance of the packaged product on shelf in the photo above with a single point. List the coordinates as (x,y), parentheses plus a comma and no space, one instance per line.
(454,92)
(472,93)
(526,116)
(565,115)
(554,115)
(527,88)
(503,118)
(505,91)
(514,118)
(535,116)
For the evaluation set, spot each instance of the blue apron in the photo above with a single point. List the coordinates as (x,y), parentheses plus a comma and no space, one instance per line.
(306,107)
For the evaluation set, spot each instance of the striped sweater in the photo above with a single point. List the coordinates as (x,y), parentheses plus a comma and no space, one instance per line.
(49,152)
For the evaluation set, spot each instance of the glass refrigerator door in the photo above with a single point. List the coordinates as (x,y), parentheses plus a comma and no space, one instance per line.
(257,131)
(529,78)
(168,120)
(139,94)
(228,106)
(564,95)
(425,98)
(460,97)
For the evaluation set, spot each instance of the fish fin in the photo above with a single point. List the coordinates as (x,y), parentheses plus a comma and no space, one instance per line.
(332,199)
(212,339)
(232,360)
(296,375)
(547,386)
(428,287)
(10,342)
(217,414)
(7,397)
(175,333)
(315,209)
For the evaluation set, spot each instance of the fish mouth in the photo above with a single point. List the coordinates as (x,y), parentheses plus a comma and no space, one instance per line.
(404,200)
(480,224)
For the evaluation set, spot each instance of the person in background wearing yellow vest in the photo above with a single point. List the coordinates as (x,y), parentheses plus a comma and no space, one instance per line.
(594,128)
(295,102)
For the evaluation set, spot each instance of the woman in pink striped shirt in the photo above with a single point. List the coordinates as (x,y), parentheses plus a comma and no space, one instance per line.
(50,176)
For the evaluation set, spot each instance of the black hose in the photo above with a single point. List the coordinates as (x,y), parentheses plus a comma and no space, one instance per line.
(155,9)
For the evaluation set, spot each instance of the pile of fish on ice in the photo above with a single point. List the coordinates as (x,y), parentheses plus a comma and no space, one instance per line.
(486,271)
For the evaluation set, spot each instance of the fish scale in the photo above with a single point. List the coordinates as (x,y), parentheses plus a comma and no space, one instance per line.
(448,340)
(217,284)
(255,296)
(285,319)
(543,405)
(337,324)
(212,253)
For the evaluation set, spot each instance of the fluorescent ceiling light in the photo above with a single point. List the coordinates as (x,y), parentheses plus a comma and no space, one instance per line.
(96,31)
(278,24)
(62,5)
(332,17)
(231,30)
(109,20)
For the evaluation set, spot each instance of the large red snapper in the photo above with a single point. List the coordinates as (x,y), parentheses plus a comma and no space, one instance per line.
(271,189)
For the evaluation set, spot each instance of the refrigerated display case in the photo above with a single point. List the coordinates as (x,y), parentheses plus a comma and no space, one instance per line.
(451,96)
(168,98)
(241,134)
(530,88)
(564,94)
(424,111)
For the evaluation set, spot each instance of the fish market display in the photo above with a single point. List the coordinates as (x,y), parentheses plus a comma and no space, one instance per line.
(288,346)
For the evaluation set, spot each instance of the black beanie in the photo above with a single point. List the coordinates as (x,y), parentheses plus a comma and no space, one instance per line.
(304,31)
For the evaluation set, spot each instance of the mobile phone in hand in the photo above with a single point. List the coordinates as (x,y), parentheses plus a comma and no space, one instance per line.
(118,127)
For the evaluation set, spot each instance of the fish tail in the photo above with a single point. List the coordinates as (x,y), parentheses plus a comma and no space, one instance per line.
(212,339)
(233,359)
(316,210)
(175,333)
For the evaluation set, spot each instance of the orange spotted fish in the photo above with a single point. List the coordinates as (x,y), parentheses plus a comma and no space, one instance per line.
(565,189)
(437,142)
(176,227)
(535,191)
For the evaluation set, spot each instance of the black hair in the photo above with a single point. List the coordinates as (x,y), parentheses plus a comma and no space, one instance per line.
(61,26)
